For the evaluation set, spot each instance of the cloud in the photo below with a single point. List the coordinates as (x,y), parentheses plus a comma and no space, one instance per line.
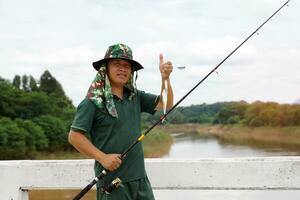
(63,56)
(65,39)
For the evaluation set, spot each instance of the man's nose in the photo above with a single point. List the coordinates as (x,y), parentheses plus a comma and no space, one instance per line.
(123,67)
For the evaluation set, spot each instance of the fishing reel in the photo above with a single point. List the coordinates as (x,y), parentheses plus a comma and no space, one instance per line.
(111,187)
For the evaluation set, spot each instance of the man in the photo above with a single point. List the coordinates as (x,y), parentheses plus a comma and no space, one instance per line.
(110,115)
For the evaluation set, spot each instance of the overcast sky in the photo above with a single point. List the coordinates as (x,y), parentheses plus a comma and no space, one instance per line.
(66,36)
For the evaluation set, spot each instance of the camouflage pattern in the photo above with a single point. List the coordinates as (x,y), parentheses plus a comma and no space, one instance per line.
(100,92)
(120,51)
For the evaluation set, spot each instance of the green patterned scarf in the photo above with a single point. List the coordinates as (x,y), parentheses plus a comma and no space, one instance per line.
(100,92)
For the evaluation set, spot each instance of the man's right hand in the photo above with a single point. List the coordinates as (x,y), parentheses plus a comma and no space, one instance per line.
(111,162)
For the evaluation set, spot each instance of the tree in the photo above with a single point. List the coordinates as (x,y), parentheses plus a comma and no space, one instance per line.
(55,131)
(32,84)
(231,113)
(176,118)
(12,140)
(50,85)
(33,104)
(25,83)
(9,96)
(17,81)
(35,137)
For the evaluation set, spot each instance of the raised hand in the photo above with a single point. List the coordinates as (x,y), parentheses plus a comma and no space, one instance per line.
(165,68)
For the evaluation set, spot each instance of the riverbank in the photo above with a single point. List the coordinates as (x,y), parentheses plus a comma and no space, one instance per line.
(156,144)
(287,138)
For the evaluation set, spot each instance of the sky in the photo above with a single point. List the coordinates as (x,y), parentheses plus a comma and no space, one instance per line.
(66,36)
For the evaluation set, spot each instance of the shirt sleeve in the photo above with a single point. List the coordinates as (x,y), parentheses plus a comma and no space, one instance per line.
(148,102)
(84,117)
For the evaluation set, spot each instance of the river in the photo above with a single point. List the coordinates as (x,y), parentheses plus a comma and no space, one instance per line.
(192,146)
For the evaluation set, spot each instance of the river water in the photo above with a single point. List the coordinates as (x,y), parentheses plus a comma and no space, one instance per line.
(192,147)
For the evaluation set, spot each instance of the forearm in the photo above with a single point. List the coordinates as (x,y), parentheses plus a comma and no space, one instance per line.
(170,92)
(109,161)
(84,146)
(170,100)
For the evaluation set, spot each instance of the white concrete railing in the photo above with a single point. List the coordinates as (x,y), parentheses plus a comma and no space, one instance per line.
(263,173)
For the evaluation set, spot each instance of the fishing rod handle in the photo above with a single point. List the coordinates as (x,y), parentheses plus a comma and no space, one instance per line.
(89,186)
(85,190)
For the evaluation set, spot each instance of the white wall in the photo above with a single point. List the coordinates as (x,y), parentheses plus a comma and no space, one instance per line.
(221,173)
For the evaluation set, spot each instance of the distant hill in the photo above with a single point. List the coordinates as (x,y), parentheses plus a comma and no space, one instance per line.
(254,114)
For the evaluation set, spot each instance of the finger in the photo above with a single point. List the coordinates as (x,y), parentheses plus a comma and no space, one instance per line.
(119,158)
(161,59)
(119,162)
(168,68)
(169,63)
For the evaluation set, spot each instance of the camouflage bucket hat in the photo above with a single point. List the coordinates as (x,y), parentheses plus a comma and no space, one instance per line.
(120,51)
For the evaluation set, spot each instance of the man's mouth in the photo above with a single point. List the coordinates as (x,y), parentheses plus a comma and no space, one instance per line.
(122,76)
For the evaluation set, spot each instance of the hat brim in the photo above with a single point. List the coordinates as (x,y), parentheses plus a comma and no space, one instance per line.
(135,65)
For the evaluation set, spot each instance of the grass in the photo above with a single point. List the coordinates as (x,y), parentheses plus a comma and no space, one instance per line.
(157,144)
(59,155)
(284,137)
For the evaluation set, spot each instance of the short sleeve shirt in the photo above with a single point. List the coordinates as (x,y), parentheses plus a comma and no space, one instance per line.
(115,135)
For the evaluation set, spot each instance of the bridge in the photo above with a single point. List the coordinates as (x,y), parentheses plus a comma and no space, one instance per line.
(18,177)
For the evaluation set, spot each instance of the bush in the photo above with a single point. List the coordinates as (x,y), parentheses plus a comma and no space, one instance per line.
(19,138)
(12,140)
(55,130)
(233,120)
(35,137)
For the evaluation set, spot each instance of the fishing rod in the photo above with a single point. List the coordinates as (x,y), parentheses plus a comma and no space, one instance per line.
(117,182)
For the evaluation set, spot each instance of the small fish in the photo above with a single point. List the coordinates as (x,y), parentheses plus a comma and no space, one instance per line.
(165,98)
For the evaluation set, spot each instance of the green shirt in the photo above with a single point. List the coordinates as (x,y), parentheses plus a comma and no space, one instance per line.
(115,135)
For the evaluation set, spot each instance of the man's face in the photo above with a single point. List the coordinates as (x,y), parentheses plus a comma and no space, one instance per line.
(119,71)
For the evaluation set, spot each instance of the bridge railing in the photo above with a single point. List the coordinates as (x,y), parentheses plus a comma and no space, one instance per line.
(259,173)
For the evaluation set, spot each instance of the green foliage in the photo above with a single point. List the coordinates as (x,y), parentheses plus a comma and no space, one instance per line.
(32,84)
(231,113)
(19,138)
(9,96)
(157,144)
(50,85)
(272,114)
(25,83)
(33,104)
(253,115)
(12,139)
(54,129)
(33,118)
(203,113)
(35,137)
(233,119)
(17,81)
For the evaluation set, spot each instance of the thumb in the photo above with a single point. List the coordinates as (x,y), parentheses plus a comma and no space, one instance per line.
(161,59)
